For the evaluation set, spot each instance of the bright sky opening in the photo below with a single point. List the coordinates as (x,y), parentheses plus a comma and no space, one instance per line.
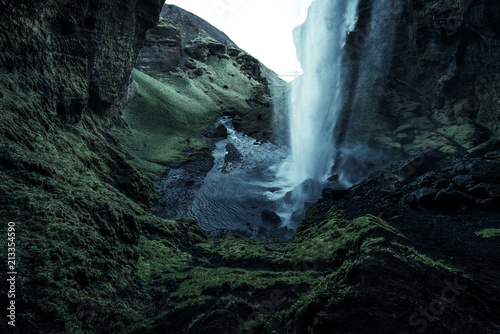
(263,28)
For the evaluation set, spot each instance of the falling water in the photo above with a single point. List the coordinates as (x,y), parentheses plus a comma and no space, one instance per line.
(316,99)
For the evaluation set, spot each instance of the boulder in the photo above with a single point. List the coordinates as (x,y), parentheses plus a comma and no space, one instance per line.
(191,63)
(486,171)
(215,48)
(451,199)
(197,50)
(335,194)
(270,217)
(220,132)
(232,155)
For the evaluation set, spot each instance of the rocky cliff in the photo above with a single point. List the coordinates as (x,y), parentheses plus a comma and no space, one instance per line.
(64,181)
(435,81)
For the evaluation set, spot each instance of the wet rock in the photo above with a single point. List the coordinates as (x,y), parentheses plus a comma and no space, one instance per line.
(199,72)
(220,131)
(215,48)
(451,199)
(463,181)
(335,194)
(197,50)
(425,196)
(418,163)
(479,191)
(460,168)
(334,177)
(270,217)
(191,64)
(232,155)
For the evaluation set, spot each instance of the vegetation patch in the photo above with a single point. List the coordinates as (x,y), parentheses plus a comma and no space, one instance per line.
(489,233)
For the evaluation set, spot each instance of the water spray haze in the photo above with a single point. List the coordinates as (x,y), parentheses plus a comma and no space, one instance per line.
(316,98)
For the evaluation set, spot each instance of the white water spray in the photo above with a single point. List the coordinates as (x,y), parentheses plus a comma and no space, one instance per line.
(320,43)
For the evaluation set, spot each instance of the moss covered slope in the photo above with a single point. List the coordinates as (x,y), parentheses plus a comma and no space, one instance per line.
(188,74)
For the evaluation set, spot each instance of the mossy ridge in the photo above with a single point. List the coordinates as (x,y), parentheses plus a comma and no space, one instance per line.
(333,239)
(78,229)
(165,126)
(235,248)
(328,293)
(328,251)
(489,233)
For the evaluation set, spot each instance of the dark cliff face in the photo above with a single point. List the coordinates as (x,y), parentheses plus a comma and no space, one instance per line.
(439,86)
(71,57)
(64,180)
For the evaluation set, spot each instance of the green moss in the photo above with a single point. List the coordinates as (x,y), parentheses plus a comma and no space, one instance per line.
(237,248)
(159,257)
(333,239)
(78,222)
(407,253)
(200,285)
(489,233)
(166,124)
(466,135)
(331,286)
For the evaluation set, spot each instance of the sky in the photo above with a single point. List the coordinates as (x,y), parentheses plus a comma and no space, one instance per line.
(263,28)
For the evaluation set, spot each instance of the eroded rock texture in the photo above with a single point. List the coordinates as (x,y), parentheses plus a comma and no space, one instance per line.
(64,180)
(438,84)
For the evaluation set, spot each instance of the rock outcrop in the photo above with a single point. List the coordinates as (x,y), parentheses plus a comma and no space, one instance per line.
(438,85)
(64,179)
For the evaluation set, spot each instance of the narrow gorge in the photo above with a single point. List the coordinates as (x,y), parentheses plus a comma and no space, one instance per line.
(157,178)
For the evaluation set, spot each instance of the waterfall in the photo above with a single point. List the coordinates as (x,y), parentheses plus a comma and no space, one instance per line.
(316,99)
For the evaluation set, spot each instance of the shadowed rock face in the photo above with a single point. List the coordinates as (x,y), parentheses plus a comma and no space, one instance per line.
(76,56)
(64,72)
(441,77)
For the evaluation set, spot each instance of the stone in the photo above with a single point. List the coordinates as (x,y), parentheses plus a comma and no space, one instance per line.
(453,200)
(486,171)
(191,64)
(220,131)
(162,49)
(270,217)
(199,72)
(335,194)
(197,50)
(425,196)
(232,155)
(215,48)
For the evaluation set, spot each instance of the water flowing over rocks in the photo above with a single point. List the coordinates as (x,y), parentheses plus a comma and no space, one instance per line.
(228,193)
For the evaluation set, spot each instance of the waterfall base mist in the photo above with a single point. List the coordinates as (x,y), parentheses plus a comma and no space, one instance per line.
(316,101)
